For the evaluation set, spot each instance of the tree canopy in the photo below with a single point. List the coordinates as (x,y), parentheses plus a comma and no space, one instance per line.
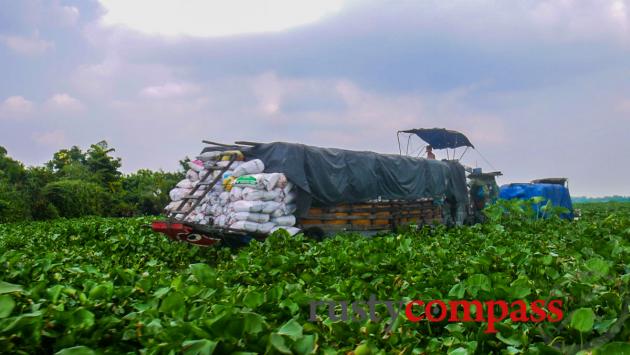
(77,183)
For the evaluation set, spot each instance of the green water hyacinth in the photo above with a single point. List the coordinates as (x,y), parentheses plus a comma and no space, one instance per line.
(111,286)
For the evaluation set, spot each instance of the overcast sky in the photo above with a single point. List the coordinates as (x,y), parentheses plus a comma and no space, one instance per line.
(542,88)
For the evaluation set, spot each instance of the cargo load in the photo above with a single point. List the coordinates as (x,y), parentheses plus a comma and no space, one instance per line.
(224,191)
(256,189)
(328,177)
(249,190)
(553,190)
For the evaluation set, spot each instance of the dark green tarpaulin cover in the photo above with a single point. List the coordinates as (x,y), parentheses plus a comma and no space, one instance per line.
(327,177)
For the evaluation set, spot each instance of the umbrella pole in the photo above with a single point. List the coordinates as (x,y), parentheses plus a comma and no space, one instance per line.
(465,150)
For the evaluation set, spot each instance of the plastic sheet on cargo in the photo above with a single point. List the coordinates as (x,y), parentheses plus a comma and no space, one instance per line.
(327,177)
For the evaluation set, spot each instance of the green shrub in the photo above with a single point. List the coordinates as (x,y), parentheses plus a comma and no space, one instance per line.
(76,198)
(13,203)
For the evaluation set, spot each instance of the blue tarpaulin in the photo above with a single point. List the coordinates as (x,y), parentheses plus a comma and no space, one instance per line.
(557,194)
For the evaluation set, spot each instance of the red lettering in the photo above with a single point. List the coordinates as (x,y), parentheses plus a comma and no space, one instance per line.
(557,311)
(443,311)
(537,309)
(466,307)
(491,316)
(409,311)
(517,311)
(519,315)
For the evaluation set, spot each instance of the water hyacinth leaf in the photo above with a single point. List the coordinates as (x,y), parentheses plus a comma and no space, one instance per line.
(290,305)
(546,349)
(478,282)
(275,293)
(6,287)
(363,349)
(292,329)
(617,348)
(204,274)
(457,291)
(159,293)
(306,344)
(199,347)
(76,350)
(582,320)
(154,327)
(493,213)
(254,299)
(520,288)
(472,346)
(512,340)
(254,323)
(23,320)
(101,291)
(277,342)
(82,318)
(173,303)
(598,266)
(520,292)
(7,304)
(604,325)
(54,292)
(454,328)
(458,351)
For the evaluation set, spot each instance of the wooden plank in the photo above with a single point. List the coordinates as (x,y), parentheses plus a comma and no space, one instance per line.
(220,144)
(383,208)
(247,143)
(344,227)
(334,217)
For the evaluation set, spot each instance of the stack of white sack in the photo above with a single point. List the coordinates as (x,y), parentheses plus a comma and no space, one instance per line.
(244,198)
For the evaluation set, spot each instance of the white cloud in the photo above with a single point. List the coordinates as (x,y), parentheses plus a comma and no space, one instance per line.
(16,107)
(54,138)
(115,78)
(209,18)
(98,79)
(489,22)
(64,102)
(271,90)
(582,19)
(372,118)
(66,15)
(169,90)
(25,45)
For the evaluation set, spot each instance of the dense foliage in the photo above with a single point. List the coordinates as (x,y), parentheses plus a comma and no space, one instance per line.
(99,285)
(75,183)
(76,198)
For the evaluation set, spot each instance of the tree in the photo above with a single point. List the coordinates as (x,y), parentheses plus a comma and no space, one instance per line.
(95,165)
(76,198)
(10,169)
(104,167)
(75,183)
(14,204)
(146,191)
(36,179)
(66,157)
